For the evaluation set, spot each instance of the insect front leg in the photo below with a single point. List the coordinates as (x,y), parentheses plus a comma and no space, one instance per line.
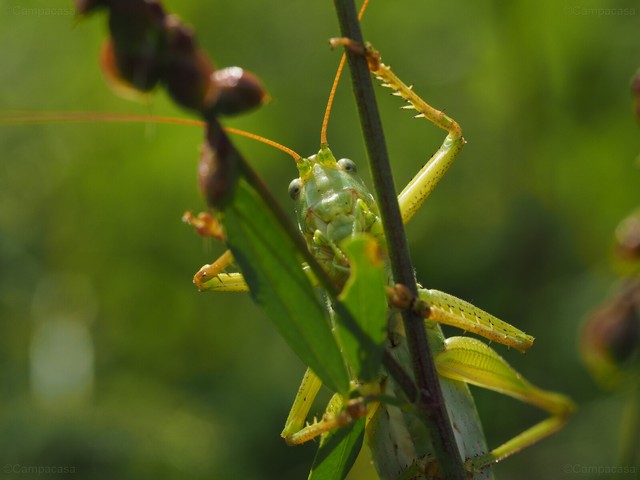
(212,276)
(420,187)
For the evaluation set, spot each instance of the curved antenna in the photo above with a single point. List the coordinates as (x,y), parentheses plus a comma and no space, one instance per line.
(297,158)
(334,87)
(27,117)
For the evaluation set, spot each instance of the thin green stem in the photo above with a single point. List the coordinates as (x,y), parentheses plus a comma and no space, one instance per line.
(430,403)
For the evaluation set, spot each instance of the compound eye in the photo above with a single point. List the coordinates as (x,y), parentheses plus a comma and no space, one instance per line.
(347,165)
(294,188)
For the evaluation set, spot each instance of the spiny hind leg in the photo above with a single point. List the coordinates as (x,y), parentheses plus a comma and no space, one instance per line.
(471,361)
(420,187)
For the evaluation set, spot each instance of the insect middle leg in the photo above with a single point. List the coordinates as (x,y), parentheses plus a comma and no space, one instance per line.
(339,412)
(443,308)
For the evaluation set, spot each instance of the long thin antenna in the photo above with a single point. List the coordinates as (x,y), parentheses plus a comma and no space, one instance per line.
(30,117)
(37,117)
(334,87)
(266,141)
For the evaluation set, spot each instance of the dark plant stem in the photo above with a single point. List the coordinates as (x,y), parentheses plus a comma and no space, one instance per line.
(400,376)
(430,404)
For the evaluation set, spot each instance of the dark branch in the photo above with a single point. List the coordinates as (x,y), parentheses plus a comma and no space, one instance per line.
(430,403)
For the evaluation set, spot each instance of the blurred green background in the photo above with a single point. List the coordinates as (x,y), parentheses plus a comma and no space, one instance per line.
(112,363)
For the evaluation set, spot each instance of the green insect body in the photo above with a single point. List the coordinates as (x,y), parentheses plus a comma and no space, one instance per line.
(332,205)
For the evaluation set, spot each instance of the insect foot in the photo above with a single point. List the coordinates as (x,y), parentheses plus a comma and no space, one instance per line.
(400,297)
(205,224)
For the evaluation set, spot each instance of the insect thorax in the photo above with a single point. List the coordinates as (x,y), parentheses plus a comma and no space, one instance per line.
(332,204)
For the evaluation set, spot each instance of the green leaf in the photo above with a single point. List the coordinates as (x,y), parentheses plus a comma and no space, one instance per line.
(365,298)
(338,449)
(267,257)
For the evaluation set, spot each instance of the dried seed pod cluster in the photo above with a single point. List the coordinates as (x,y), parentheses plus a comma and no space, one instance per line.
(218,168)
(610,337)
(148,47)
(635,92)
(628,239)
(610,340)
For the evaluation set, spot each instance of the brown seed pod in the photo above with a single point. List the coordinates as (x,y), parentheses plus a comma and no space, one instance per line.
(628,238)
(114,78)
(84,7)
(219,166)
(187,68)
(238,91)
(610,339)
(138,37)
(635,91)
(148,46)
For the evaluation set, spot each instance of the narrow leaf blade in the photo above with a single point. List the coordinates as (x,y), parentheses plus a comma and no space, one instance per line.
(338,451)
(365,298)
(267,258)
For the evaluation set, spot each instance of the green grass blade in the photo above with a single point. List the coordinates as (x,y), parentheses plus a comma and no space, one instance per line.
(338,449)
(365,298)
(267,257)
